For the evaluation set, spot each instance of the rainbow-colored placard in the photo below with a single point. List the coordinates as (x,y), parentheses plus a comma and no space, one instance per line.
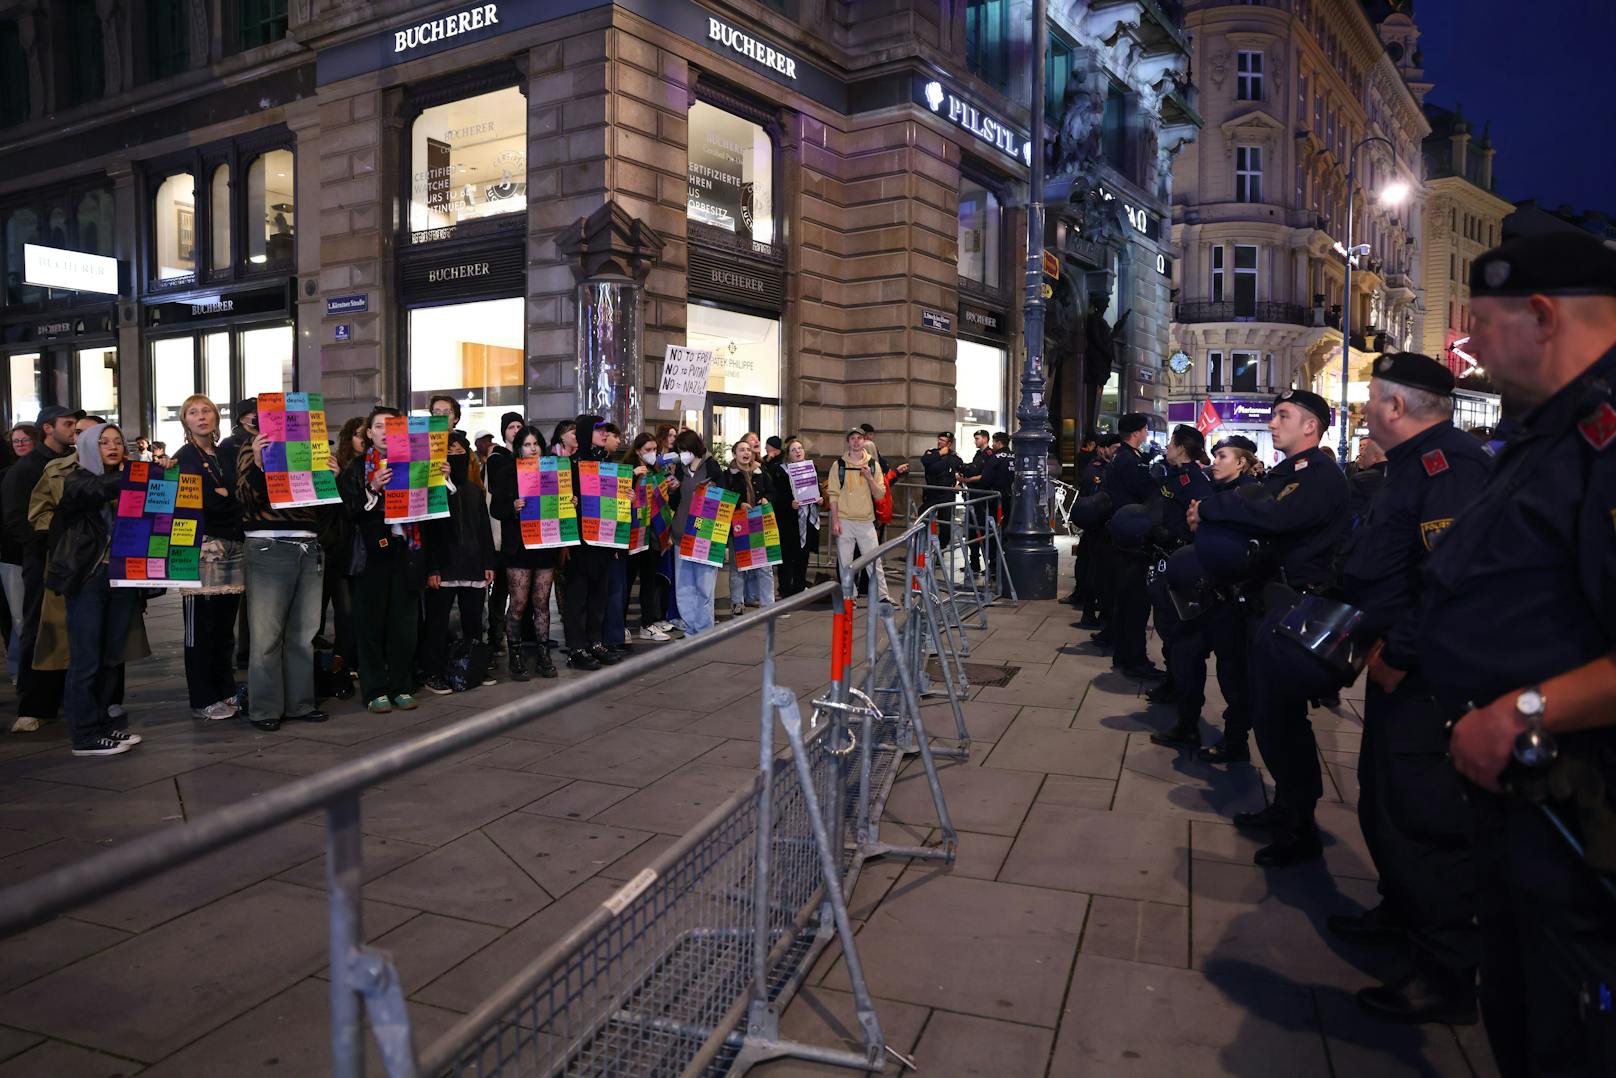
(297,457)
(756,538)
(653,516)
(549,519)
(417,447)
(157,534)
(706,537)
(605,503)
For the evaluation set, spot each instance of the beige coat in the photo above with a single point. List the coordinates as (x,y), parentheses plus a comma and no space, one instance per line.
(50,649)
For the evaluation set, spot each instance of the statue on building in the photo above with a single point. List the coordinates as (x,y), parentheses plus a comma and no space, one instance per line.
(1077,148)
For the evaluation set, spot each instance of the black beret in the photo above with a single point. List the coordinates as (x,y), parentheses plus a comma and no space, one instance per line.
(1107,439)
(1237,441)
(1416,371)
(1131,422)
(1305,398)
(1549,264)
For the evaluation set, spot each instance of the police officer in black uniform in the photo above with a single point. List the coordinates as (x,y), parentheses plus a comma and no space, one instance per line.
(1518,637)
(1128,482)
(1182,481)
(1305,520)
(974,479)
(942,467)
(1091,588)
(1411,805)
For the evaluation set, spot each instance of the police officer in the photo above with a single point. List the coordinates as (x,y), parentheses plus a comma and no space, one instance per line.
(1410,804)
(1092,587)
(941,466)
(1182,481)
(1518,637)
(1305,520)
(1128,482)
(975,479)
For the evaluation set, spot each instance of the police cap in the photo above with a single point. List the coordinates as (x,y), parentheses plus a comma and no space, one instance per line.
(1549,264)
(1237,441)
(1131,422)
(1307,399)
(1415,371)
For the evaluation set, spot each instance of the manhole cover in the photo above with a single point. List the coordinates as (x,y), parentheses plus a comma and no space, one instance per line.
(984,675)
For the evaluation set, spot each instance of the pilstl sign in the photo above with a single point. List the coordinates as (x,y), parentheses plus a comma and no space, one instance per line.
(984,125)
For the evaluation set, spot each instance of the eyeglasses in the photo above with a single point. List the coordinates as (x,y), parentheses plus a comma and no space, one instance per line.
(24,440)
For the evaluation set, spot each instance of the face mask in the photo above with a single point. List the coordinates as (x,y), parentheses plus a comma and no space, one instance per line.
(649,456)
(686,458)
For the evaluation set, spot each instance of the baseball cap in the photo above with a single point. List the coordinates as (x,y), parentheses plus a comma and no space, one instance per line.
(52,412)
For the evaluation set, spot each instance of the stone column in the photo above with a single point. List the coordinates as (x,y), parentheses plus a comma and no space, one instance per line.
(126,246)
(303,117)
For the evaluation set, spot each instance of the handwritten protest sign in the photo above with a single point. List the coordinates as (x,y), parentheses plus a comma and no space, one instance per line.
(157,533)
(548,516)
(605,503)
(706,537)
(756,538)
(684,378)
(417,447)
(297,458)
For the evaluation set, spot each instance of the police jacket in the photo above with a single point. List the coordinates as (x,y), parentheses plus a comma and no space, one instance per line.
(1092,478)
(1182,484)
(1128,480)
(1429,479)
(1003,477)
(1306,518)
(1523,585)
(942,469)
(1363,484)
(981,466)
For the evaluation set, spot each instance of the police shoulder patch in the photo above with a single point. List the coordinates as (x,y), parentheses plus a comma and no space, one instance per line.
(1165,491)
(1289,487)
(1431,531)
(1599,429)
(1300,465)
(1436,462)
(1184,480)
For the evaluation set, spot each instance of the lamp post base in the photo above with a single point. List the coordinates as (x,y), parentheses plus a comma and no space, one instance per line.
(1034,566)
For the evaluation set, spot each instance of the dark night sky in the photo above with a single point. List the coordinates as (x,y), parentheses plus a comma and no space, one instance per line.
(1542,72)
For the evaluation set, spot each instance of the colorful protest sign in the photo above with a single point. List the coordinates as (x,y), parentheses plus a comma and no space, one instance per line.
(605,503)
(804,480)
(706,537)
(417,447)
(756,538)
(157,534)
(297,458)
(549,519)
(653,515)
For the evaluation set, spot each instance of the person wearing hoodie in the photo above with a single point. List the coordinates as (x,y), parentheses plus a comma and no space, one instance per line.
(500,460)
(854,485)
(693,582)
(99,616)
(586,589)
(459,564)
(748,587)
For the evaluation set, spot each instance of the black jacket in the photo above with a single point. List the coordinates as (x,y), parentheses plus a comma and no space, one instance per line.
(79,531)
(1362,486)
(502,504)
(942,470)
(368,513)
(221,513)
(762,488)
(461,546)
(1306,518)
(15,492)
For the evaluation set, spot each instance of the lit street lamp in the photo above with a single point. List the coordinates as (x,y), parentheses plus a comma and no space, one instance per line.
(1392,194)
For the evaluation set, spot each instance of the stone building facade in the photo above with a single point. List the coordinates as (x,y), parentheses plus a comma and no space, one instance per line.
(524,204)
(1288,89)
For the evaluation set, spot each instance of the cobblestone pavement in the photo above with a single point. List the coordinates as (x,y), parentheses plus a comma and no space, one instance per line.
(1103,917)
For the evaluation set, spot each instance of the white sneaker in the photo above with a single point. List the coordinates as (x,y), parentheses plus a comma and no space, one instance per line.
(651,632)
(24,725)
(737,611)
(102,746)
(664,626)
(216,711)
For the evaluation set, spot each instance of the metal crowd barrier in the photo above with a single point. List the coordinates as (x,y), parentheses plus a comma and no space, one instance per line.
(686,968)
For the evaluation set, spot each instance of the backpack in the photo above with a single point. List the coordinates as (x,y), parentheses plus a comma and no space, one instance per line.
(467,665)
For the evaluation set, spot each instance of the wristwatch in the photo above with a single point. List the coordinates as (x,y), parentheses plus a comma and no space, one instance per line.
(1534,746)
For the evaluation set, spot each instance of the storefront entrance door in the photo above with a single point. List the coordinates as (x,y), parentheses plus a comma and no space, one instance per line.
(725,419)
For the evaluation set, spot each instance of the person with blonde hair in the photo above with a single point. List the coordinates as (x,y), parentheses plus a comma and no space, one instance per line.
(210,610)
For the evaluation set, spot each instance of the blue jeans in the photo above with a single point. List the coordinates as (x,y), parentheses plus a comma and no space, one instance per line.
(694,586)
(751,585)
(11,580)
(98,619)
(285,578)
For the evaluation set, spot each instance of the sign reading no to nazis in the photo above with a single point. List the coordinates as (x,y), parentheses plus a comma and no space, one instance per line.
(684,378)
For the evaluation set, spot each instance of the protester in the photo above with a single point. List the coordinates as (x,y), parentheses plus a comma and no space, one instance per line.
(564,442)
(693,582)
(499,460)
(22,440)
(483,444)
(644,567)
(338,538)
(210,610)
(586,587)
(285,582)
(103,622)
(445,405)
(245,429)
(772,449)
(614,630)
(799,525)
(853,486)
(529,574)
(748,587)
(39,692)
(460,565)
(387,586)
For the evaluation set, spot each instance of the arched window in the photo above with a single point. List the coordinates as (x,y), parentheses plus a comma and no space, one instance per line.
(219,212)
(271,210)
(174,226)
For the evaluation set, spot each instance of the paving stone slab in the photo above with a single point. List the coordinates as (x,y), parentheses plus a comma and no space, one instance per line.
(152,761)
(14,1042)
(442,807)
(1345,854)
(1365,1047)
(579,800)
(678,802)
(1102,853)
(160,990)
(627,757)
(1074,791)
(561,854)
(993,949)
(580,722)
(1088,753)
(984,722)
(966,1046)
(827,1018)
(428,945)
(95,816)
(1133,1018)
(628,866)
(378,854)
(1138,931)
(978,798)
(53,1059)
(470,878)
(26,956)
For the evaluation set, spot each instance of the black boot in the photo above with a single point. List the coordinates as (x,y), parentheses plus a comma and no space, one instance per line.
(1227,752)
(544,666)
(1376,925)
(1422,996)
(1274,817)
(518,665)
(1178,737)
(1165,693)
(582,660)
(1294,845)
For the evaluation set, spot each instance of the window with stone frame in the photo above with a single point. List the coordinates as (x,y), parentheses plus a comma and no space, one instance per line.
(222,212)
(730,165)
(987,41)
(981,230)
(468,160)
(258,22)
(1214,372)
(1217,273)
(1248,174)
(1245,281)
(1248,75)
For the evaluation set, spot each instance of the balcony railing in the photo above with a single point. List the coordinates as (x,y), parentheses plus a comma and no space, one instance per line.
(1291,314)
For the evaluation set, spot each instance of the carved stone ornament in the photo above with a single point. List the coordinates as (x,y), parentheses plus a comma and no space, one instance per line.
(610,243)
(1219,64)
